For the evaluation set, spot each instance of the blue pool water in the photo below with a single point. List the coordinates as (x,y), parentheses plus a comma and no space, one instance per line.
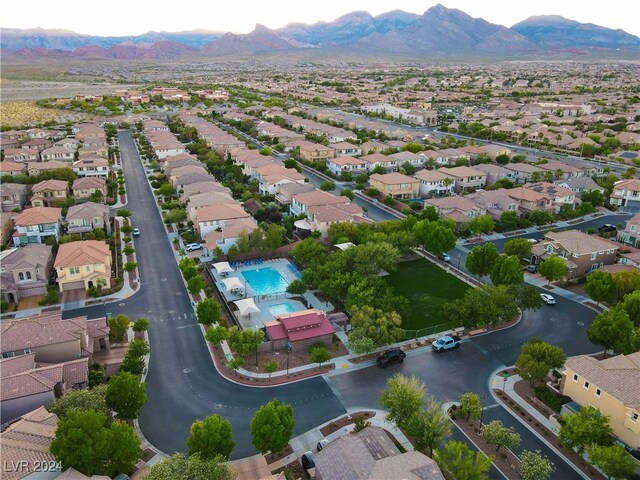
(281,308)
(266,280)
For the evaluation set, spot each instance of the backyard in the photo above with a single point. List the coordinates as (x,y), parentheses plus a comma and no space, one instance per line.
(426,287)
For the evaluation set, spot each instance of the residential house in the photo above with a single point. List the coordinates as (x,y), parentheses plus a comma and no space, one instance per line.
(630,234)
(182,181)
(376,160)
(91,166)
(37,144)
(457,208)
(209,185)
(582,253)
(200,200)
(370,454)
(13,196)
(301,202)
(68,142)
(83,188)
(580,184)
(434,157)
(347,164)
(101,151)
(413,159)
(86,217)
(62,154)
(346,149)
(559,195)
(524,172)
(495,202)
(186,170)
(300,330)
(396,185)
(466,179)
(434,183)
(321,217)
(11,168)
(373,146)
(288,190)
(225,238)
(611,385)
(49,193)
(530,200)
(25,271)
(313,152)
(83,264)
(272,177)
(214,217)
(21,155)
(89,131)
(565,170)
(9,143)
(496,172)
(34,225)
(626,195)
(36,168)
(493,150)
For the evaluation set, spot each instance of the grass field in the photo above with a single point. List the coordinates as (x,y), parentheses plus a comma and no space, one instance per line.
(426,287)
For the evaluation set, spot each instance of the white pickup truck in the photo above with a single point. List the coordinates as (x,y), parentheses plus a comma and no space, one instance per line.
(446,342)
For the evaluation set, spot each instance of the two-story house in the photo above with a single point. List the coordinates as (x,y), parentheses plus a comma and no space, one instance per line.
(524,172)
(375,160)
(495,202)
(225,238)
(49,193)
(86,217)
(83,264)
(83,188)
(21,155)
(626,195)
(580,184)
(288,190)
(214,217)
(630,234)
(201,200)
(13,196)
(36,168)
(496,172)
(582,253)
(457,208)
(36,224)
(347,164)
(313,152)
(611,385)
(25,271)
(91,166)
(346,149)
(413,159)
(466,179)
(434,183)
(301,202)
(11,168)
(62,154)
(396,185)
(530,200)
(559,195)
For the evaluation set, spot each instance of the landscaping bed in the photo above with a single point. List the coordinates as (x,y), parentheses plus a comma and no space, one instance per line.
(344,421)
(274,457)
(292,471)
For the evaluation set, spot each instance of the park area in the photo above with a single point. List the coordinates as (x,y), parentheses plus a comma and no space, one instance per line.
(426,287)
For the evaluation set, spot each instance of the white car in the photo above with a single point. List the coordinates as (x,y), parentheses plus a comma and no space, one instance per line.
(548,299)
(193,246)
(445,257)
(136,232)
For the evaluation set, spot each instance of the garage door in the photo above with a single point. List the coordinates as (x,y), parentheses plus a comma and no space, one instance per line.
(72,286)
(31,290)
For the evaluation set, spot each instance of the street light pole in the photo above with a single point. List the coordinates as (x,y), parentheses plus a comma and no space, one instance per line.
(459,258)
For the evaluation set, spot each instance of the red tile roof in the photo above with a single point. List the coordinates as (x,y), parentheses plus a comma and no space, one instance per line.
(301,325)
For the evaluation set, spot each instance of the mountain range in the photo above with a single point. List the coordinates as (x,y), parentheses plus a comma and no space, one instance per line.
(439,32)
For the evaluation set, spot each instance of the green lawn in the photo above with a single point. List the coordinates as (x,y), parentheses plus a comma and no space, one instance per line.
(426,287)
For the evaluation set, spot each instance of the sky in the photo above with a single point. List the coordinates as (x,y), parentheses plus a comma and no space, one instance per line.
(126,17)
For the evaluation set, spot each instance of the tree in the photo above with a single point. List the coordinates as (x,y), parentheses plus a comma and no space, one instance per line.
(500,436)
(80,400)
(310,253)
(195,285)
(327,186)
(96,375)
(613,460)
(130,266)
(266,151)
(208,311)
(507,271)
(242,244)
(347,192)
(535,466)
(382,327)
(429,213)
(462,462)
(601,287)
(270,367)
(274,236)
(540,217)
(118,327)
(125,395)
(141,325)
(629,173)
(272,426)
(481,259)
(429,427)
(182,467)
(235,363)
(585,428)
(518,247)
(626,282)
(482,224)
(436,237)
(403,397)
(553,268)
(612,329)
(360,344)
(631,305)
(216,335)
(408,168)
(123,212)
(211,438)
(165,190)
(502,159)
(189,272)
(595,197)
(470,406)
(526,297)
(244,341)
(297,287)
(319,354)
(537,358)
(124,449)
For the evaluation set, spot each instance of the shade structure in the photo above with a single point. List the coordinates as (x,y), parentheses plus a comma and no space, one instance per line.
(223,267)
(344,246)
(246,306)
(232,283)
(303,224)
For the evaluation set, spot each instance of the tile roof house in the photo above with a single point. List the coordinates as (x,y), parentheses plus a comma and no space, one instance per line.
(396,185)
(226,237)
(346,149)
(630,234)
(626,195)
(457,208)
(11,168)
(524,171)
(83,264)
(86,217)
(300,329)
(347,164)
(84,187)
(302,201)
(28,440)
(213,217)
(559,195)
(36,168)
(58,153)
(496,172)
(371,455)
(200,200)
(582,253)
(288,190)
(34,225)
(529,200)
(13,196)
(375,160)
(91,166)
(21,155)
(209,185)
(25,271)
(434,183)
(613,386)
(580,184)
(466,179)
(49,193)
(496,202)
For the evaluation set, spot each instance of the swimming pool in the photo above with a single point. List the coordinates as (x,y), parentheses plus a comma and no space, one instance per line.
(280,308)
(264,281)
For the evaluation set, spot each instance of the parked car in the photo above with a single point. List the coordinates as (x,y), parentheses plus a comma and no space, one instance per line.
(548,299)
(193,246)
(136,232)
(533,241)
(446,342)
(607,228)
(322,443)
(445,257)
(532,268)
(390,356)
(309,464)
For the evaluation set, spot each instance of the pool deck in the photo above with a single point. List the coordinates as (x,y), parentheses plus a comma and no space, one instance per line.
(284,268)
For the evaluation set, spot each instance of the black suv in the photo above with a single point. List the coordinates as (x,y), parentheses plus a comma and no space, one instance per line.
(391,356)
(607,228)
